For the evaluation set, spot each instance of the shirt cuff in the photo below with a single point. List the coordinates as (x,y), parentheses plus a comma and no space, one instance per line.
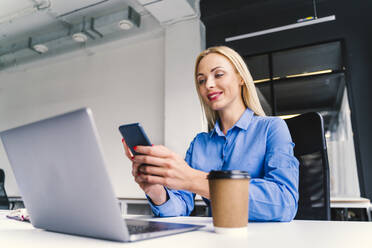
(165,209)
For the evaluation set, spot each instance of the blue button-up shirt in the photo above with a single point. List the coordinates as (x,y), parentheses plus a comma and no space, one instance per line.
(259,145)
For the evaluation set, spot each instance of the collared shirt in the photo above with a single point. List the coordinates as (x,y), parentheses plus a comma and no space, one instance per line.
(259,145)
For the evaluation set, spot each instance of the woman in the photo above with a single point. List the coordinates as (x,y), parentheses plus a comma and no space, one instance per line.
(240,137)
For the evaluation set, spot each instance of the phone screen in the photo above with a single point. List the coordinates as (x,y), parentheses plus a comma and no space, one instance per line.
(134,135)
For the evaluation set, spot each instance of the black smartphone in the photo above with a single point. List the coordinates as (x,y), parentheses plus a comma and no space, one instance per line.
(134,135)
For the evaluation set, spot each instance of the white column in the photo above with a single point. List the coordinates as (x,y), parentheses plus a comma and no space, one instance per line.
(184,40)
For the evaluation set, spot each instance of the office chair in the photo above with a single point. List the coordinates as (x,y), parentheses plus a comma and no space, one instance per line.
(307,131)
(4,202)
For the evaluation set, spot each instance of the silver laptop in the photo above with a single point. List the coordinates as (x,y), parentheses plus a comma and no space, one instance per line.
(61,174)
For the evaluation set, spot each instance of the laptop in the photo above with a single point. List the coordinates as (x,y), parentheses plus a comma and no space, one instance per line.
(61,174)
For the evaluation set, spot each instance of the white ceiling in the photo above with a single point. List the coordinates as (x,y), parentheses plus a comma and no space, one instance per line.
(18,17)
(9,6)
(26,23)
(22,17)
(179,8)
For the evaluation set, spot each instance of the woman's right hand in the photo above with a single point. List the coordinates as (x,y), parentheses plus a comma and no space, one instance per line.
(156,192)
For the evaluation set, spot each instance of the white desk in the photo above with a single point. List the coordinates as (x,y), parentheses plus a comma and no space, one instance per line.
(314,234)
(350,202)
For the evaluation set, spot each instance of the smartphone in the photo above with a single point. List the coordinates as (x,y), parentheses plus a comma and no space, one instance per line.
(134,135)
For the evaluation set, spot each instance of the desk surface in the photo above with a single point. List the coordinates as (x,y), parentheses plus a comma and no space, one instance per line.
(350,202)
(293,234)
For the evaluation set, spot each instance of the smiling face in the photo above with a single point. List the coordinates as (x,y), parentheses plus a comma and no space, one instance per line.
(219,83)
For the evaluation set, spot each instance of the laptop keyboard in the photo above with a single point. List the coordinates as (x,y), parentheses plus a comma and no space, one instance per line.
(133,229)
(142,226)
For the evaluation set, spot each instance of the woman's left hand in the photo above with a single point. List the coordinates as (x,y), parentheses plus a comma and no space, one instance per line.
(162,166)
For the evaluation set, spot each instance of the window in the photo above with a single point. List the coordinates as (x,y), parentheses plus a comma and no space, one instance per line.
(306,79)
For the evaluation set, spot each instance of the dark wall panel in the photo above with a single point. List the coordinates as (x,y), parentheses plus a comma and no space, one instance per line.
(353,25)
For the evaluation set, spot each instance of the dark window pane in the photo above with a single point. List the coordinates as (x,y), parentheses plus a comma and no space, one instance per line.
(317,93)
(258,66)
(264,95)
(307,59)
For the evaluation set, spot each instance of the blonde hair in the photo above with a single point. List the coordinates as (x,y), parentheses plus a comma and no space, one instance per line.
(249,93)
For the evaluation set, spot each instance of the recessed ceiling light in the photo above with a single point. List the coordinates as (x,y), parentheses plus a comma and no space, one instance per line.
(41,48)
(79,37)
(125,24)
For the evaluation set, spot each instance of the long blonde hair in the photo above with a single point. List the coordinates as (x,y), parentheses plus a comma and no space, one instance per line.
(249,93)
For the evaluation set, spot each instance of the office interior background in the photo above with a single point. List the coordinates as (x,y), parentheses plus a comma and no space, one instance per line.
(133,61)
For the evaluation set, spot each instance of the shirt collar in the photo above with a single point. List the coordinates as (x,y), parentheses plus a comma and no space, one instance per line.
(245,119)
(242,123)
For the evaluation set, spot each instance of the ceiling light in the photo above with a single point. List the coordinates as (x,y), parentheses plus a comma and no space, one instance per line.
(79,37)
(309,73)
(282,28)
(300,23)
(261,80)
(288,116)
(40,48)
(125,24)
(265,80)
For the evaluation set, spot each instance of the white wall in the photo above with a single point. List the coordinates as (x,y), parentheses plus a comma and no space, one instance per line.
(147,79)
(121,82)
(183,115)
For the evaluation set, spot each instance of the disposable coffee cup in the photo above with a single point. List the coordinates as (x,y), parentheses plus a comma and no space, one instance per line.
(229,200)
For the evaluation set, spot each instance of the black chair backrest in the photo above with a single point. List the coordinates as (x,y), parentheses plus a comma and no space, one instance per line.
(4,202)
(307,131)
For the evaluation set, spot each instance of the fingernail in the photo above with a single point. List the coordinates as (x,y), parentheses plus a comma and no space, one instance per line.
(132,157)
(135,147)
(152,144)
(122,140)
